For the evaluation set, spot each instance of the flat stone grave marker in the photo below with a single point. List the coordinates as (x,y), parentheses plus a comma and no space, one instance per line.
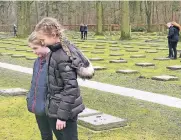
(154,45)
(151,51)
(84,51)
(127,47)
(17,56)
(102,122)
(29,50)
(20,49)
(125,43)
(99,68)
(115,49)
(13,92)
(112,54)
(143,48)
(2,47)
(138,56)
(86,47)
(31,58)
(175,67)
(10,48)
(145,64)
(130,50)
(127,71)
(161,59)
(165,78)
(99,47)
(97,52)
(6,54)
(89,112)
(162,49)
(117,61)
(96,59)
(114,45)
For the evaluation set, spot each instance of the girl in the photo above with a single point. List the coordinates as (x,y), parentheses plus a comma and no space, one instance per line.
(38,91)
(64,101)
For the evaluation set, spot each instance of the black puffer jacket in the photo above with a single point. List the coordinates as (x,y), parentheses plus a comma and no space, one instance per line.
(64,101)
(173,34)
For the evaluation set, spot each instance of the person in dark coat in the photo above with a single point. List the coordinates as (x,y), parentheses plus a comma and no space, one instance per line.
(15,30)
(64,101)
(82,30)
(173,38)
(85,31)
(36,97)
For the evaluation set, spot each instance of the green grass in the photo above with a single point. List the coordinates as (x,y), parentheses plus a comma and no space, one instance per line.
(146,121)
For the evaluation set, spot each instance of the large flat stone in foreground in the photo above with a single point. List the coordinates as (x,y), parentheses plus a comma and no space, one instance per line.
(89,112)
(102,122)
(165,78)
(13,92)
(127,71)
(175,67)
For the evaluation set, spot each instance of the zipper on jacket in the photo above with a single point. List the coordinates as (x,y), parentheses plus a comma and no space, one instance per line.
(36,84)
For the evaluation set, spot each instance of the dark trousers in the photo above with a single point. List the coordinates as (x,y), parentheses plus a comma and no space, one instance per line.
(170,49)
(173,46)
(44,127)
(85,34)
(68,133)
(82,34)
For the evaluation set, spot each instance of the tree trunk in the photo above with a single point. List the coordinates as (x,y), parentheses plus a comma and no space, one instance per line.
(99,17)
(125,21)
(23,18)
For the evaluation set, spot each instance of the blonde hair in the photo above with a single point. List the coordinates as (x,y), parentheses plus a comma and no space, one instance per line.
(33,39)
(176,24)
(50,26)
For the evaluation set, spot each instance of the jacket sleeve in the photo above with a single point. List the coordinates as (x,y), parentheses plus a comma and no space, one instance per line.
(69,78)
(171,32)
(28,95)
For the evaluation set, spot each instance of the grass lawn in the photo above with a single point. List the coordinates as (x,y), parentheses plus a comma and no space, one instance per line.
(146,121)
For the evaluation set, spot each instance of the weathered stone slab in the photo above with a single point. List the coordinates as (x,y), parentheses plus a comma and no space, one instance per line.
(97,52)
(151,51)
(127,71)
(89,112)
(175,67)
(99,47)
(127,47)
(31,58)
(99,68)
(20,49)
(165,78)
(138,56)
(115,49)
(162,49)
(161,59)
(130,50)
(17,56)
(117,61)
(112,54)
(96,59)
(145,64)
(6,54)
(13,92)
(102,122)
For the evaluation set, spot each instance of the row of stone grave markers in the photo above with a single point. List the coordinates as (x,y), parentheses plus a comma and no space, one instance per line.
(89,118)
